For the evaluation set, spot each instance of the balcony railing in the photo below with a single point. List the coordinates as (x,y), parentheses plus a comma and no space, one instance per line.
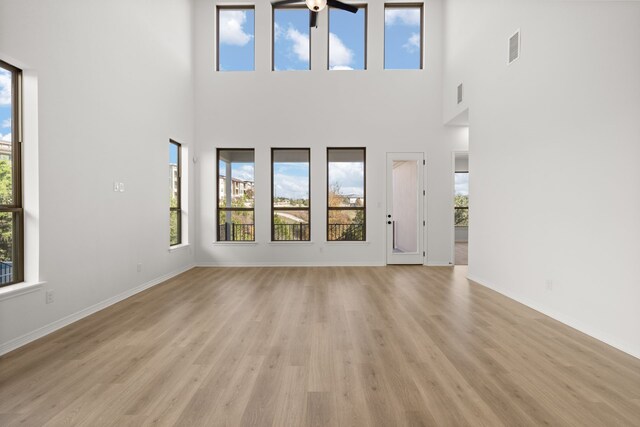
(283,232)
(346,232)
(6,272)
(236,232)
(291,232)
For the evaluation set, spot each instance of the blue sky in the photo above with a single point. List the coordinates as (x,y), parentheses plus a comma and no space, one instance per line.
(236,44)
(402,38)
(346,40)
(242,171)
(173,154)
(291,39)
(292,34)
(291,180)
(5,105)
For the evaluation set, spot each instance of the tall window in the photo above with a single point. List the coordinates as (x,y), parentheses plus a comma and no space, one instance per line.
(175,193)
(290,194)
(346,190)
(347,39)
(403,36)
(236,195)
(11,213)
(235,31)
(291,33)
(461,204)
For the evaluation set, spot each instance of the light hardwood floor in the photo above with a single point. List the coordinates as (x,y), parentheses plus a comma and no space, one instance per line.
(387,346)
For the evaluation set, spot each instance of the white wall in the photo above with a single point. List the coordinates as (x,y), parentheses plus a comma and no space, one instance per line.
(114,84)
(382,110)
(570,106)
(462,162)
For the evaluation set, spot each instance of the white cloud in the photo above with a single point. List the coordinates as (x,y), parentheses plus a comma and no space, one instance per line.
(349,176)
(300,43)
(291,180)
(277,31)
(244,172)
(6,137)
(231,28)
(404,16)
(462,183)
(413,43)
(6,124)
(5,87)
(291,186)
(340,56)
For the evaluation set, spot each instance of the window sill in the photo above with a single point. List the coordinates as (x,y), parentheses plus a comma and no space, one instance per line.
(178,247)
(18,289)
(235,242)
(292,242)
(346,242)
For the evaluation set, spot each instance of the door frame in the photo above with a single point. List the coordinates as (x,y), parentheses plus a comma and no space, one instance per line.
(418,258)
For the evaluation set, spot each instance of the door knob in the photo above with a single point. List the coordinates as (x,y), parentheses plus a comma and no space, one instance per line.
(388,216)
(388,222)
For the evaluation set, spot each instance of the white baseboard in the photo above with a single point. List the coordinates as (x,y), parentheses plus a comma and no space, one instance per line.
(288,264)
(61,323)
(560,317)
(438,264)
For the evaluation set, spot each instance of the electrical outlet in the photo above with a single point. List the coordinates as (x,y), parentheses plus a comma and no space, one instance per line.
(122,187)
(49,296)
(139,267)
(549,284)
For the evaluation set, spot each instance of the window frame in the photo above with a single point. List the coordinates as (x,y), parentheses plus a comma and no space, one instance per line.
(234,7)
(349,208)
(293,208)
(16,208)
(366,34)
(407,5)
(219,209)
(273,33)
(178,208)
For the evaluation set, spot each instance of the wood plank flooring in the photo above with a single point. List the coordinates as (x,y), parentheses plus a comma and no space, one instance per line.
(385,346)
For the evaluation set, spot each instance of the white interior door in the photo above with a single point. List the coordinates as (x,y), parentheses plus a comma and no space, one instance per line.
(404,222)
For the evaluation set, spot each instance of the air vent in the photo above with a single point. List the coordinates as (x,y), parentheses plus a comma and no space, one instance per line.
(514,46)
(459,93)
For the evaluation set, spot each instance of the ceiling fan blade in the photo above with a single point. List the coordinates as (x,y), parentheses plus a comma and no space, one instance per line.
(285,2)
(313,19)
(339,5)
